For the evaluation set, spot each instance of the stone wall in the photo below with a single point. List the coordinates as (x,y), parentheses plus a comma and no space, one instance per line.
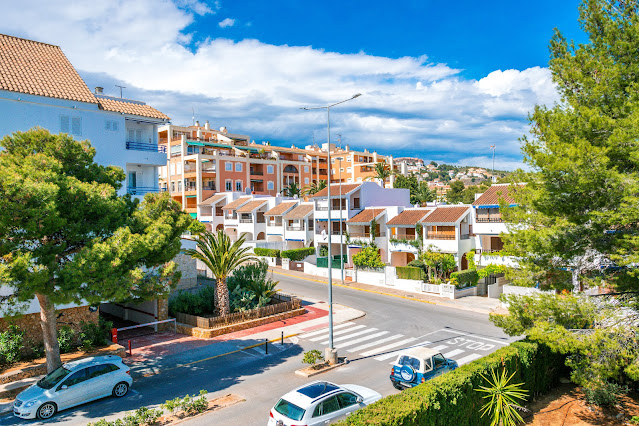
(30,323)
(188,267)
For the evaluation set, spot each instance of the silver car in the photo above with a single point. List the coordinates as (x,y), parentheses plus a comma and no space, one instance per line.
(73,384)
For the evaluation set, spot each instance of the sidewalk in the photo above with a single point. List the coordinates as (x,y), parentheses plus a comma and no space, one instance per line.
(478,304)
(164,351)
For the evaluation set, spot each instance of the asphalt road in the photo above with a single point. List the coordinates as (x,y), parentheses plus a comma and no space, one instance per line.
(261,379)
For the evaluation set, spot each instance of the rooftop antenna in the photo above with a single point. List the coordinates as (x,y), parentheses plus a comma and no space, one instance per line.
(121,87)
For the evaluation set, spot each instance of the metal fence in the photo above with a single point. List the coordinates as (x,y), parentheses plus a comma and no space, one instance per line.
(285,303)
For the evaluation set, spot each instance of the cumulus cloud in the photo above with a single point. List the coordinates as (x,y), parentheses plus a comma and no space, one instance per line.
(227,22)
(410,105)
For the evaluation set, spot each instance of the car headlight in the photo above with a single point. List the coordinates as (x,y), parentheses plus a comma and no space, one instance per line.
(29,404)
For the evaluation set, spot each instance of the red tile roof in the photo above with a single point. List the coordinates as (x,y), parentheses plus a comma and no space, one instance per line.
(281,208)
(409,217)
(300,212)
(132,108)
(493,194)
(35,68)
(346,188)
(446,214)
(252,205)
(237,203)
(213,200)
(366,215)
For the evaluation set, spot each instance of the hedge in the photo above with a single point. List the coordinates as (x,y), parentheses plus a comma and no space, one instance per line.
(465,278)
(298,254)
(267,252)
(410,273)
(451,399)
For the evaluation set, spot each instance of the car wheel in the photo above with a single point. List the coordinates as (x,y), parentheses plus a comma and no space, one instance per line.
(120,389)
(47,410)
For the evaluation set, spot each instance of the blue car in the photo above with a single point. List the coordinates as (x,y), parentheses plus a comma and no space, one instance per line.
(416,365)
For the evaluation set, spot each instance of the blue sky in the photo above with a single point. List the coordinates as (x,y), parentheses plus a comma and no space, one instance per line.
(439,80)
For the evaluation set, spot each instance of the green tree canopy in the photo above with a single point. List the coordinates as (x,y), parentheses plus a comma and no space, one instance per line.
(456,192)
(579,208)
(419,191)
(66,236)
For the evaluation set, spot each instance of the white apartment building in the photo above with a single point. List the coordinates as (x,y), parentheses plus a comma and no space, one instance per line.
(275,229)
(299,224)
(447,229)
(403,235)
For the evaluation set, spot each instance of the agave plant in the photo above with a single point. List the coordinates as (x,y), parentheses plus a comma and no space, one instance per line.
(293,190)
(503,398)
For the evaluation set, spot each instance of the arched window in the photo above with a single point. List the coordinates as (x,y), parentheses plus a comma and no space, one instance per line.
(290,169)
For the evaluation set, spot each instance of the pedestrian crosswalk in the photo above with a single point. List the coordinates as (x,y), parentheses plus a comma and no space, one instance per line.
(359,340)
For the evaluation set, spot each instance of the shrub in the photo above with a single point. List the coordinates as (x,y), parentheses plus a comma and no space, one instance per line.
(66,339)
(11,344)
(604,394)
(253,277)
(93,335)
(200,303)
(241,299)
(491,269)
(312,356)
(465,278)
(266,252)
(368,257)
(450,399)
(323,251)
(410,273)
(298,254)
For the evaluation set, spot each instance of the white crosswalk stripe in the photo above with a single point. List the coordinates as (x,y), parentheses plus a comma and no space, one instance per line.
(389,346)
(394,353)
(453,353)
(337,333)
(468,358)
(368,345)
(324,330)
(348,336)
(362,339)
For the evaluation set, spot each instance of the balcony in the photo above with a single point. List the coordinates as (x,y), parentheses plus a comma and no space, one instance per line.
(141,190)
(295,228)
(139,146)
(246,220)
(367,235)
(489,220)
(438,236)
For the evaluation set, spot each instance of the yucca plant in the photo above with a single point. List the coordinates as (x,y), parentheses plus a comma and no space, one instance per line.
(503,397)
(221,256)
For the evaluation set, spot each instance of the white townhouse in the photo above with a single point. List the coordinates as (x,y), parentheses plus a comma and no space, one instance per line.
(488,225)
(448,230)
(275,230)
(299,224)
(40,87)
(369,227)
(402,235)
(210,211)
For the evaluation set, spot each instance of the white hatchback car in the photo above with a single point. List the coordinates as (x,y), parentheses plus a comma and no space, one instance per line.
(320,403)
(72,384)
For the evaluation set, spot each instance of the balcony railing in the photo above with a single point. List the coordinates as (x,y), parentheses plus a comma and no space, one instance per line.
(367,235)
(246,220)
(464,236)
(141,190)
(404,237)
(256,172)
(437,236)
(295,228)
(489,220)
(140,146)
(322,208)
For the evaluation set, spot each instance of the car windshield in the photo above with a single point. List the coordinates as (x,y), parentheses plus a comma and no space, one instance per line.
(289,410)
(53,378)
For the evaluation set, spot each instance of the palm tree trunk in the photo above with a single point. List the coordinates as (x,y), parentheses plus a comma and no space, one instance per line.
(223,302)
(49,332)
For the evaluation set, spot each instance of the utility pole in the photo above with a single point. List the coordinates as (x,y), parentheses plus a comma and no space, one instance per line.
(121,87)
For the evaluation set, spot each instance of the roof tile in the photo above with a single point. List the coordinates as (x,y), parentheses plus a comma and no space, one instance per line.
(252,205)
(493,194)
(214,199)
(335,190)
(300,212)
(133,108)
(409,217)
(281,208)
(237,203)
(366,215)
(446,214)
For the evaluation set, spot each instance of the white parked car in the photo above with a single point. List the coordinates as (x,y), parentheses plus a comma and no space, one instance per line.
(320,403)
(72,384)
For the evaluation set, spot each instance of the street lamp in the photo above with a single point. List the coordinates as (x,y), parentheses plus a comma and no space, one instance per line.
(330,353)
(493,174)
(341,220)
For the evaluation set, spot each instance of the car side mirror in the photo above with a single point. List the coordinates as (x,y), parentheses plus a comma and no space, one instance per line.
(64,387)
(360,399)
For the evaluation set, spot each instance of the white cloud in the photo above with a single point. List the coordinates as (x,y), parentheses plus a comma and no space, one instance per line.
(227,22)
(255,88)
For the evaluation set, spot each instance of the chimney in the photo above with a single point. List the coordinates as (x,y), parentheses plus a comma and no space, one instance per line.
(197,123)
(207,126)
(99,90)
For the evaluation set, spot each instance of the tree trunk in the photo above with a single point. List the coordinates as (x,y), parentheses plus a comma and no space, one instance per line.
(49,332)
(223,303)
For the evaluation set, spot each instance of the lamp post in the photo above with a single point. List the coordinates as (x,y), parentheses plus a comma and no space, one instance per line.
(341,219)
(330,354)
(493,173)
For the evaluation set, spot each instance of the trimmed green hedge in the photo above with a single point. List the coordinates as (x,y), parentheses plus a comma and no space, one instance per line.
(410,273)
(465,278)
(451,399)
(267,252)
(298,254)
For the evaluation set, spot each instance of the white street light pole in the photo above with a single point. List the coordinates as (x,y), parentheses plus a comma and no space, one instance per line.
(493,174)
(330,354)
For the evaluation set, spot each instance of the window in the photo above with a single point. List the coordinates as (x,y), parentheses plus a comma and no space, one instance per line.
(439,360)
(114,126)
(348,159)
(269,169)
(229,185)
(228,166)
(341,170)
(138,135)
(410,361)
(172,186)
(346,399)
(349,170)
(131,137)
(355,203)
(133,180)
(179,186)
(305,181)
(270,185)
(107,125)
(305,169)
(238,185)
(77,377)
(64,124)
(99,370)
(326,407)
(178,168)
(289,410)
(172,169)
(238,167)
(349,180)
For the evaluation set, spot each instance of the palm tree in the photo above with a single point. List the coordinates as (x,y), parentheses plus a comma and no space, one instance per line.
(382,172)
(293,189)
(424,194)
(315,187)
(221,256)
